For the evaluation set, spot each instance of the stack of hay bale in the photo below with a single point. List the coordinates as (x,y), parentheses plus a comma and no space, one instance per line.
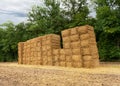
(79,49)
(71,44)
(88,46)
(20,52)
(52,42)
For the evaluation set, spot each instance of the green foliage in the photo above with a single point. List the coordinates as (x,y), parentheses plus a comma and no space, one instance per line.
(108,29)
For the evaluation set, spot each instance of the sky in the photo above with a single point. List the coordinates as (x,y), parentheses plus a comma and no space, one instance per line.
(15,10)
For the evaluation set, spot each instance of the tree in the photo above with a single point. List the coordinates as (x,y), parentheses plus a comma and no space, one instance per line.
(108,28)
(56,16)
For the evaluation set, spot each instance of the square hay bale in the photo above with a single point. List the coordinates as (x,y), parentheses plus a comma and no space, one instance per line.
(77,58)
(83,29)
(67,45)
(68,58)
(74,38)
(56,51)
(87,64)
(93,49)
(76,51)
(62,63)
(87,58)
(84,36)
(49,52)
(62,51)
(56,64)
(95,56)
(68,51)
(73,31)
(91,34)
(66,33)
(95,63)
(66,39)
(86,51)
(85,43)
(56,58)
(44,48)
(75,45)
(77,64)
(62,58)
(68,64)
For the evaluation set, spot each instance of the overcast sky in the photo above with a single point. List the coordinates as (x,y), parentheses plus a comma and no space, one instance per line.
(15,10)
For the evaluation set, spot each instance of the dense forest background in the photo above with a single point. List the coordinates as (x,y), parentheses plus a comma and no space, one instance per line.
(58,15)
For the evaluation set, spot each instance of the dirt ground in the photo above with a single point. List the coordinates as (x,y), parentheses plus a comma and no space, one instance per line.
(12,74)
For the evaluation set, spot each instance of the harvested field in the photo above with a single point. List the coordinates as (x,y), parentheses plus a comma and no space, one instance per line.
(12,74)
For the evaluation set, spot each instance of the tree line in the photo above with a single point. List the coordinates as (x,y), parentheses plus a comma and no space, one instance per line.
(55,16)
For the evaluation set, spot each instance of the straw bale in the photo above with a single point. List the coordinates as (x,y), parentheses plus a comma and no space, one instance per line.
(68,51)
(76,51)
(85,43)
(56,58)
(83,29)
(62,51)
(66,33)
(87,64)
(95,63)
(87,58)
(62,58)
(91,34)
(86,51)
(66,39)
(77,64)
(68,64)
(49,52)
(67,45)
(44,48)
(56,63)
(75,45)
(77,58)
(74,37)
(62,63)
(73,31)
(56,51)
(95,56)
(68,58)
(84,36)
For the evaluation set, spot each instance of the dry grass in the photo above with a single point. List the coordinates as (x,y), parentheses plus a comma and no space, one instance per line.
(12,74)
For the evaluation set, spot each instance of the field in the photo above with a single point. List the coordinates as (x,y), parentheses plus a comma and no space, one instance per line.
(12,74)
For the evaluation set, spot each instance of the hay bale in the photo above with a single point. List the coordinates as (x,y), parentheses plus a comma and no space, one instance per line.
(87,64)
(56,51)
(77,58)
(73,31)
(66,33)
(67,45)
(95,63)
(77,64)
(86,51)
(84,36)
(85,43)
(66,39)
(76,51)
(62,63)
(87,58)
(74,38)
(68,51)
(83,29)
(68,58)
(62,51)
(62,58)
(68,64)
(75,45)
